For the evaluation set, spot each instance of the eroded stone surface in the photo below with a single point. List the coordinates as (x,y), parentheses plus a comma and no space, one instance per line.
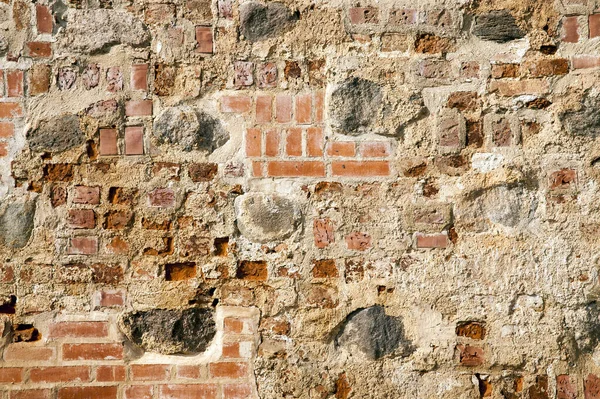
(56,135)
(16,223)
(263,217)
(259,22)
(498,26)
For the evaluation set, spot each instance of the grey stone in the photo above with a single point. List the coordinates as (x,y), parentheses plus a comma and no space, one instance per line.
(190,129)
(263,218)
(170,332)
(373,333)
(586,120)
(16,224)
(497,26)
(259,21)
(56,135)
(96,31)
(355,105)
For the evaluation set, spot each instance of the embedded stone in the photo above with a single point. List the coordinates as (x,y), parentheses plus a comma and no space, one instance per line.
(355,105)
(190,129)
(56,135)
(16,224)
(586,120)
(373,333)
(497,26)
(259,21)
(263,218)
(170,332)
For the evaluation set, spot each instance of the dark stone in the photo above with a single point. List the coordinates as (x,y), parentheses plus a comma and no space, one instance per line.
(259,21)
(16,224)
(374,333)
(170,332)
(497,26)
(56,135)
(190,129)
(355,105)
(586,120)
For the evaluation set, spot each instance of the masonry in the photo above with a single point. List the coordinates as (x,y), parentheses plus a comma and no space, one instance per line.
(335,199)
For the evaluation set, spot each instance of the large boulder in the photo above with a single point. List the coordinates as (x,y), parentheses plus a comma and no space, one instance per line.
(263,218)
(261,21)
(57,134)
(170,332)
(374,334)
(190,129)
(16,224)
(497,26)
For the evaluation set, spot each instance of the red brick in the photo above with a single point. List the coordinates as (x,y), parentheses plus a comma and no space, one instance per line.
(549,67)
(86,195)
(11,375)
(60,374)
(82,219)
(283,108)
(139,392)
(134,140)
(14,82)
(364,15)
(204,38)
(83,246)
(108,142)
(374,149)
(92,351)
(319,106)
(594,24)
(360,169)
(272,141)
(253,143)
(139,77)
(228,370)
(237,391)
(236,104)
(95,392)
(257,168)
(233,326)
(162,197)
(358,241)
(432,240)
(403,16)
(110,298)
(31,394)
(78,329)
(44,18)
(586,61)
(295,169)
(314,141)
(138,108)
(341,149)
(591,387)
(188,372)
(7,129)
(17,352)
(304,109)
(10,110)
(3,149)
(150,372)
(39,49)
(323,232)
(264,109)
(110,373)
(293,142)
(566,387)
(470,355)
(188,391)
(231,350)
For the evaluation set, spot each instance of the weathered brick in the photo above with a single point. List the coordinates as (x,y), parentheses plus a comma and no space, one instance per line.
(186,391)
(82,219)
(297,169)
(236,104)
(134,140)
(96,392)
(150,372)
(264,109)
(138,108)
(360,168)
(253,143)
(358,241)
(162,197)
(10,110)
(31,394)
(86,195)
(139,77)
(432,240)
(14,83)
(364,15)
(293,142)
(60,374)
(92,351)
(83,246)
(11,375)
(228,370)
(139,392)
(204,38)
(110,373)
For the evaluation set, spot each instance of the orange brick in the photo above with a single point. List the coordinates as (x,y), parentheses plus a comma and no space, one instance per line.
(188,372)
(233,326)
(139,392)
(228,370)
(139,77)
(319,106)
(95,392)
(272,143)
(295,169)
(304,109)
(283,108)
(18,352)
(92,351)
(138,108)
(257,168)
(31,394)
(149,372)
(432,240)
(236,104)
(264,109)
(188,391)
(39,49)
(360,169)
(3,149)
(11,375)
(60,374)
(110,373)
(14,82)
(374,149)
(253,143)
(43,19)
(341,149)
(314,141)
(237,391)
(293,143)
(10,110)
(79,329)
(231,350)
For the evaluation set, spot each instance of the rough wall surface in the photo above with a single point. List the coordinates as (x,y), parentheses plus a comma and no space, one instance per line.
(317,199)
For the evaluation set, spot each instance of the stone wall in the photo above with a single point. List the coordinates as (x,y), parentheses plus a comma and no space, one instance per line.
(321,199)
